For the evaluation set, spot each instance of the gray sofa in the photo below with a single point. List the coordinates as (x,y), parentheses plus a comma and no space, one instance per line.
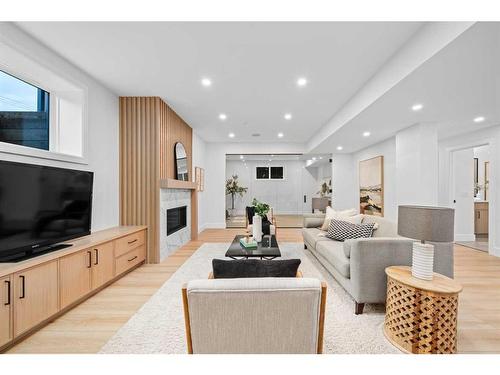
(359,264)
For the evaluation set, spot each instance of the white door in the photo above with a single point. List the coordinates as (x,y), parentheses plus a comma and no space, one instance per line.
(463,194)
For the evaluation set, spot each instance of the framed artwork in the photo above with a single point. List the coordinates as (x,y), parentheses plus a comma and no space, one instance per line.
(199,175)
(371,186)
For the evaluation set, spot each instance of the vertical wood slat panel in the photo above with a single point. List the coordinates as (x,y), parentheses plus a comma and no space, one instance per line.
(138,170)
(149,129)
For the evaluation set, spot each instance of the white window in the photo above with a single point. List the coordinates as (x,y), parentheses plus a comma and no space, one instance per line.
(42,113)
(269,173)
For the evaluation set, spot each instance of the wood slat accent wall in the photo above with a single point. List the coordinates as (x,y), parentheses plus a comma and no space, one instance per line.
(140,167)
(149,129)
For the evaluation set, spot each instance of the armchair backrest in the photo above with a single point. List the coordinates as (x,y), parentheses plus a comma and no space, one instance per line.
(257,315)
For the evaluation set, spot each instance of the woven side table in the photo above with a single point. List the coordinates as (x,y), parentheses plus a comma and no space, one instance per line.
(421,315)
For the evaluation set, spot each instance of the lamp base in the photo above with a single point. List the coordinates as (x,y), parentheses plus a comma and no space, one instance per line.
(422,261)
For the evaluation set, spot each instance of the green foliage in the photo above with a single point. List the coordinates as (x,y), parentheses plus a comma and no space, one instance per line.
(233,188)
(261,209)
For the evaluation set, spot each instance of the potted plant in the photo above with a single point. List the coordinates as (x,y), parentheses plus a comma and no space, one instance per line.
(233,188)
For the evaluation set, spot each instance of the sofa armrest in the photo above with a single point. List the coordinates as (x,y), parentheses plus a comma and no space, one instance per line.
(313,220)
(369,259)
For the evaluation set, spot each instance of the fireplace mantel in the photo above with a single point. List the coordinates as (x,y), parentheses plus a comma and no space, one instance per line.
(170,183)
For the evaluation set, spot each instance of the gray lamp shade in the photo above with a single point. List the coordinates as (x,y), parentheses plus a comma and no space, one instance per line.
(425,223)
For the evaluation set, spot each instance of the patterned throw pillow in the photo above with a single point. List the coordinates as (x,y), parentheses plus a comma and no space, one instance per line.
(342,230)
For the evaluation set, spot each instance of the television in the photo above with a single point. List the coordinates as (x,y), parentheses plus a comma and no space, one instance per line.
(40,207)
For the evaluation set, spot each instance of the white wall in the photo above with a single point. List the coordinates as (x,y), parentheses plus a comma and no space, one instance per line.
(199,160)
(103,132)
(284,196)
(215,173)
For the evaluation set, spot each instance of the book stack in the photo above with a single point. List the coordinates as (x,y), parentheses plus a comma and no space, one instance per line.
(248,243)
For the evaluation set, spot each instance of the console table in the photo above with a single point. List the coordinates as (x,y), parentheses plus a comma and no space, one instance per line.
(421,315)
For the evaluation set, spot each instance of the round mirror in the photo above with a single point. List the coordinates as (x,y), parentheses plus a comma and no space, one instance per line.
(181,164)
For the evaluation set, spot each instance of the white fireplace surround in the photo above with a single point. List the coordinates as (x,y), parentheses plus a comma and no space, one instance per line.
(171,198)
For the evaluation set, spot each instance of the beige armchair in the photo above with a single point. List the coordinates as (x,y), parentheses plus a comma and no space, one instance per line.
(255,315)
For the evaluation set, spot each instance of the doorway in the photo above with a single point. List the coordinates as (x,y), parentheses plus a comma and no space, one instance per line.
(471,197)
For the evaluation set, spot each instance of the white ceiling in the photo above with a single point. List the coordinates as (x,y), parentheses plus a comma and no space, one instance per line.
(253,66)
(277,157)
(459,83)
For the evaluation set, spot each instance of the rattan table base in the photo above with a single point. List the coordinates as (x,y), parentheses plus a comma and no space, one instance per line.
(419,320)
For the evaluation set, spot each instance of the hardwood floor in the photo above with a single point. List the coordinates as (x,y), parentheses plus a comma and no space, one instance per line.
(86,328)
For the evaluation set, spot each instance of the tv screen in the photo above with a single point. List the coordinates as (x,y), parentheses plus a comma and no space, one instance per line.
(41,206)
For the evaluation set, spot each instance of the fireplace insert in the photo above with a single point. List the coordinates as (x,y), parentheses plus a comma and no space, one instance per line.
(176,219)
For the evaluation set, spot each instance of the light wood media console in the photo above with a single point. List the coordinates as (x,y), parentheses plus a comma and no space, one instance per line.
(36,291)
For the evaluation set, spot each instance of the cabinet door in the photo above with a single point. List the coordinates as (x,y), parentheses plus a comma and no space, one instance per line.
(103,262)
(36,296)
(5,310)
(75,271)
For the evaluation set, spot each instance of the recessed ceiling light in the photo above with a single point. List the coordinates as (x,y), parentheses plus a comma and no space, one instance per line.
(272,155)
(339,148)
(417,107)
(314,157)
(269,159)
(206,82)
(280,135)
(301,82)
(321,157)
(223,116)
(366,134)
(241,157)
(479,119)
(288,116)
(231,135)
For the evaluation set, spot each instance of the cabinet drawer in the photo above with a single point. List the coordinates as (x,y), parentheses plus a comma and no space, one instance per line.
(125,244)
(129,260)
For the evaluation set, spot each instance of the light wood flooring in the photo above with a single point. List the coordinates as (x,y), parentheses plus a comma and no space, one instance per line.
(87,327)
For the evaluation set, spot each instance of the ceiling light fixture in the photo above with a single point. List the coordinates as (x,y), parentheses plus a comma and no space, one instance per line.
(231,135)
(339,148)
(241,157)
(417,107)
(280,135)
(222,116)
(366,134)
(206,82)
(288,116)
(314,158)
(301,82)
(479,119)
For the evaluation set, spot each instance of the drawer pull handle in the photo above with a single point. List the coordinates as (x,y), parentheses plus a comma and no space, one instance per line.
(131,259)
(7,283)
(23,287)
(89,253)
(96,257)
(131,242)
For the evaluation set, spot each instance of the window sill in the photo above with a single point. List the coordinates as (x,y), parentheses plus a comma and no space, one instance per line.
(7,148)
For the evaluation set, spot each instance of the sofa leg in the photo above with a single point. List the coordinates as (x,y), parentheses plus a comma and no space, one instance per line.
(305,246)
(358,308)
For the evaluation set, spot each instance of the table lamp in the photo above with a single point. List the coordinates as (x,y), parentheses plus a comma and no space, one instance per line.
(425,223)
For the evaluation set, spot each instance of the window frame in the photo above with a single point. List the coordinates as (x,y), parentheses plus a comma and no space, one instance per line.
(269,169)
(22,66)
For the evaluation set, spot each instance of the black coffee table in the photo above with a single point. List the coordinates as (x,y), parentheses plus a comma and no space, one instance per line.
(267,249)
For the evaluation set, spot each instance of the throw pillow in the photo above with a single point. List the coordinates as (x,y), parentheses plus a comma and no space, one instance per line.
(342,230)
(232,269)
(339,215)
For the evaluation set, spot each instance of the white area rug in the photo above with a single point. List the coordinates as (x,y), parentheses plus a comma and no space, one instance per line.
(158,327)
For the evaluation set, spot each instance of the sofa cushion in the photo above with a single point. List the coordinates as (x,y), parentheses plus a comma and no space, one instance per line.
(313,235)
(340,215)
(342,230)
(232,269)
(333,252)
(386,228)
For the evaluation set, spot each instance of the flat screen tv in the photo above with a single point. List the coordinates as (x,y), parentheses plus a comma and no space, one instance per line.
(40,207)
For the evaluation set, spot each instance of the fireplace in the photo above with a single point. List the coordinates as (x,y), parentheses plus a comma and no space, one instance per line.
(176,219)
